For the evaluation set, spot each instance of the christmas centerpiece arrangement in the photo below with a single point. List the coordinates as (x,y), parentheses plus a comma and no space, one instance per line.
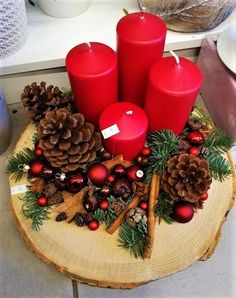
(123,152)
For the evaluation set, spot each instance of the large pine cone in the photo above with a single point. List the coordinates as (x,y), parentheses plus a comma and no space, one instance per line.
(186,177)
(39,99)
(68,141)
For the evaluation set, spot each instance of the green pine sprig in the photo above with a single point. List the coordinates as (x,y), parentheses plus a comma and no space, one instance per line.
(163,145)
(200,115)
(33,211)
(35,139)
(67,91)
(219,166)
(133,239)
(218,141)
(164,208)
(14,164)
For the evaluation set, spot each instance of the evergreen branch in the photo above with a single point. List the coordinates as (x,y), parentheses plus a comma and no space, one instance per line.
(133,239)
(67,91)
(218,140)
(219,166)
(163,145)
(15,162)
(200,115)
(32,210)
(35,139)
(105,216)
(164,208)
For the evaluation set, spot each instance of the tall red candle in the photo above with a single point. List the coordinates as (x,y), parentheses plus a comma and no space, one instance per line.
(171,93)
(92,70)
(140,42)
(132,123)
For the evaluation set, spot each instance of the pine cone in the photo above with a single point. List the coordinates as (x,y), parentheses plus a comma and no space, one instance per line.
(69,143)
(80,219)
(186,177)
(39,99)
(135,216)
(61,216)
(55,199)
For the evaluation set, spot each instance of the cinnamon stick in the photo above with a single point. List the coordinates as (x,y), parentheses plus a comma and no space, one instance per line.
(118,221)
(151,219)
(118,159)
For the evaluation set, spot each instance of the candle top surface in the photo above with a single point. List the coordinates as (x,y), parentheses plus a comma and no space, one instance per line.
(90,59)
(166,75)
(130,119)
(141,27)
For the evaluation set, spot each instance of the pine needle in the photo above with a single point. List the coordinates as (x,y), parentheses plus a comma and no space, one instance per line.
(218,140)
(164,208)
(219,166)
(200,115)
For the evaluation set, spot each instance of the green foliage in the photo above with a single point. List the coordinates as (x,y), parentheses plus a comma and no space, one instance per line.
(133,239)
(219,166)
(106,216)
(200,115)
(67,91)
(15,163)
(34,212)
(163,208)
(125,11)
(218,141)
(35,139)
(163,145)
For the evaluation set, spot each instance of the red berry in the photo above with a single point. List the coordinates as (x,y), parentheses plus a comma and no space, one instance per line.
(42,201)
(196,137)
(104,204)
(36,168)
(204,196)
(110,178)
(145,152)
(38,151)
(194,151)
(93,225)
(143,205)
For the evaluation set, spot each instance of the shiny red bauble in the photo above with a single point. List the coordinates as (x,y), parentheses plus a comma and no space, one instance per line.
(204,196)
(36,168)
(42,201)
(134,173)
(145,151)
(98,174)
(104,204)
(196,137)
(47,173)
(76,182)
(182,212)
(194,151)
(111,178)
(143,205)
(93,225)
(38,151)
(119,170)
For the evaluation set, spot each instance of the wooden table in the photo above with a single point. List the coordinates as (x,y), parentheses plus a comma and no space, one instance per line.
(95,257)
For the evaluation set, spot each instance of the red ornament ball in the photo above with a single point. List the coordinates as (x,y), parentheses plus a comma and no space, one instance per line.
(119,170)
(196,137)
(134,173)
(104,204)
(111,178)
(42,201)
(182,212)
(204,196)
(194,151)
(36,168)
(145,152)
(105,191)
(98,174)
(143,205)
(47,173)
(93,225)
(38,152)
(76,182)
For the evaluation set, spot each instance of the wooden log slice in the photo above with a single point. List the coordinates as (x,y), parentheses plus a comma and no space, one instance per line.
(95,257)
(188,15)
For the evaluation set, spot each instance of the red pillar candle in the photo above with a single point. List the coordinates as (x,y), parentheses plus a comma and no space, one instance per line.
(172,89)
(132,123)
(92,70)
(140,42)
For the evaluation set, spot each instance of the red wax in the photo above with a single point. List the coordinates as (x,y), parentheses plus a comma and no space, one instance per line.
(92,69)
(171,93)
(132,123)
(140,42)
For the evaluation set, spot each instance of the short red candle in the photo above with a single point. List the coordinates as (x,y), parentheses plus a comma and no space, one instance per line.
(140,42)
(171,93)
(92,70)
(132,123)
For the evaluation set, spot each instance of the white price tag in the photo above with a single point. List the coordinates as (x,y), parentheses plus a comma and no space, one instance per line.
(110,131)
(15,190)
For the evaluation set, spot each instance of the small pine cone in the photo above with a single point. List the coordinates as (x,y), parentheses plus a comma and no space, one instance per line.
(135,216)
(80,219)
(186,178)
(69,143)
(61,216)
(194,124)
(39,99)
(183,146)
(203,152)
(55,199)
(50,189)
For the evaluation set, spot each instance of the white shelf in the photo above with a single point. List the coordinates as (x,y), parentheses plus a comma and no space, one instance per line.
(50,39)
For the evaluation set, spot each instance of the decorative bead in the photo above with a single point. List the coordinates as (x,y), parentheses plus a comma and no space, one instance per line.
(119,170)
(194,151)
(38,152)
(36,168)
(145,151)
(196,137)
(105,191)
(143,205)
(93,225)
(42,201)
(204,196)
(111,178)
(104,204)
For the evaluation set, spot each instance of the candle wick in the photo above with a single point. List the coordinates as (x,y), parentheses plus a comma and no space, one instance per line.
(130,112)
(89,45)
(176,58)
(143,10)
